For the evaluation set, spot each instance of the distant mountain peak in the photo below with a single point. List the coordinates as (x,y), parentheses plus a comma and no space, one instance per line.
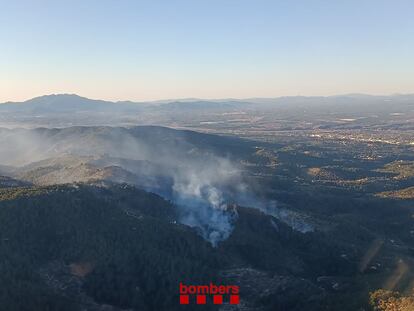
(56,97)
(54,103)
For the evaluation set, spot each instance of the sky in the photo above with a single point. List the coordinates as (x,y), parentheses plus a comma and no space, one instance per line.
(163,49)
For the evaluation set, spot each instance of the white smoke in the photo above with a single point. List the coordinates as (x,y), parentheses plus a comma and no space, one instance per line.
(203,185)
(200,193)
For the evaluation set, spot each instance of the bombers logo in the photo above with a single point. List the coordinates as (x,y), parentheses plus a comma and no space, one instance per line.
(200,294)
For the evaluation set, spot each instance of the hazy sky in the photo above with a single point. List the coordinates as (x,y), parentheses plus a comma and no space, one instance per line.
(157,49)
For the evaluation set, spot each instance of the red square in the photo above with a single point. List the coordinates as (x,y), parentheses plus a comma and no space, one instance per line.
(218,299)
(184,299)
(234,299)
(201,299)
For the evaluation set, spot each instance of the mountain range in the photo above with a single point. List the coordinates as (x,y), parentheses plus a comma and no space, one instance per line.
(72,102)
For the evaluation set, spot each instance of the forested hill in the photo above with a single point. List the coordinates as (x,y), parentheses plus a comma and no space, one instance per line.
(121,243)
(85,247)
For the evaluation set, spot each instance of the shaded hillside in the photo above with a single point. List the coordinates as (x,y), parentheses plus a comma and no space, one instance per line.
(128,237)
(121,246)
(145,142)
(8,182)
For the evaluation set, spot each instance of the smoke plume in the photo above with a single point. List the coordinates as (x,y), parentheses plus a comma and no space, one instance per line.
(201,183)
